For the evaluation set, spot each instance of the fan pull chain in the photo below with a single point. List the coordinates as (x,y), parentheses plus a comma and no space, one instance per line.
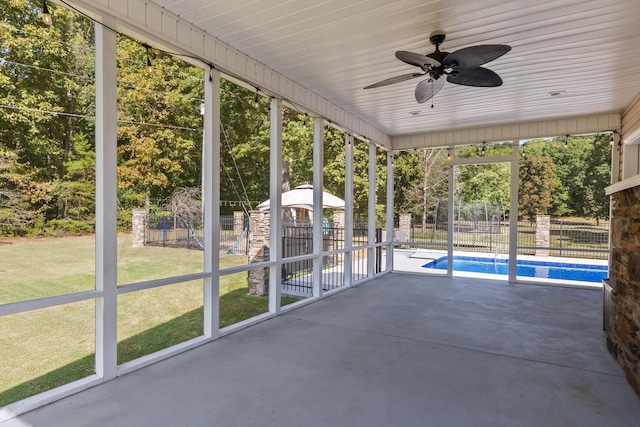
(434,95)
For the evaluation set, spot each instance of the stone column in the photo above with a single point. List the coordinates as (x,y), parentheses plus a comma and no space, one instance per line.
(404,225)
(623,337)
(543,231)
(238,223)
(259,236)
(138,227)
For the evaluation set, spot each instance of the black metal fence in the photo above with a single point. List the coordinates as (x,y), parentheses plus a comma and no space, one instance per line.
(234,235)
(574,239)
(480,227)
(174,232)
(170,231)
(297,276)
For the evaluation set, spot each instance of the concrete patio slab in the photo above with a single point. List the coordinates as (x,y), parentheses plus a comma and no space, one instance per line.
(401,350)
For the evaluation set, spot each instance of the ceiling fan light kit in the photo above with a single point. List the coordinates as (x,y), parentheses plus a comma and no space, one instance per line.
(462,67)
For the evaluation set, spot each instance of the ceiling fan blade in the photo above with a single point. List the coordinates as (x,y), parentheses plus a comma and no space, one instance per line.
(481,77)
(427,89)
(474,56)
(396,79)
(417,59)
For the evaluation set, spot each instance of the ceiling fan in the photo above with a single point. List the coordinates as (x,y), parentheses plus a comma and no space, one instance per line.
(462,67)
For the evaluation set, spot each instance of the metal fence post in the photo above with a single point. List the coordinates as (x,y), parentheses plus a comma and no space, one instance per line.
(561,238)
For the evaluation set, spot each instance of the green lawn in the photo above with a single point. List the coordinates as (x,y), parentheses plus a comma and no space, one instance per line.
(47,348)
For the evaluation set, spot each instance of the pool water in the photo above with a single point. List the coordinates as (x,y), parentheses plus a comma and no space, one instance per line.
(539,269)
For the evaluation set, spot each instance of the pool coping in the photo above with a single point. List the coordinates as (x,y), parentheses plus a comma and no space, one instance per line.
(426,256)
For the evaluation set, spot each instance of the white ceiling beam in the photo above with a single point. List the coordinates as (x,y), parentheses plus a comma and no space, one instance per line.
(533,130)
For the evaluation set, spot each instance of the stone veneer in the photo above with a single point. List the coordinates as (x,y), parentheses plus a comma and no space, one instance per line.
(623,339)
(139,227)
(543,234)
(258,252)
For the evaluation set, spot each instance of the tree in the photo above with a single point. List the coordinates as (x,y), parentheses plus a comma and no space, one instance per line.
(297,146)
(484,183)
(583,167)
(76,192)
(597,177)
(537,179)
(360,178)
(46,80)
(244,157)
(334,161)
(381,188)
(159,132)
(430,183)
(406,176)
(14,210)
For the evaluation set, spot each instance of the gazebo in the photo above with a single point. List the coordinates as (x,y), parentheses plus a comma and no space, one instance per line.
(300,199)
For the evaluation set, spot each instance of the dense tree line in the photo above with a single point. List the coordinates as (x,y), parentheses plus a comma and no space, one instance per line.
(47,148)
(566,176)
(563,176)
(46,131)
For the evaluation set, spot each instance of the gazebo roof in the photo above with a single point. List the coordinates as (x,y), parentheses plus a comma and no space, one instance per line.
(301,197)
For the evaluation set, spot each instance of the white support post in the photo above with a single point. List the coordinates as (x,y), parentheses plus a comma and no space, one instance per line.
(348,210)
(513,211)
(275,218)
(616,161)
(211,196)
(390,211)
(318,231)
(371,212)
(451,213)
(106,201)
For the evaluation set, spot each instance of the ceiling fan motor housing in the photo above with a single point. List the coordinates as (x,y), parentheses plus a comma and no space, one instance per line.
(437,39)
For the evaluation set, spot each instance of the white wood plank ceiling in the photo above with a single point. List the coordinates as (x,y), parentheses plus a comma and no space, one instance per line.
(587,50)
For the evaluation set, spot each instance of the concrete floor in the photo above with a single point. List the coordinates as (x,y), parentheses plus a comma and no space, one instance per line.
(402,350)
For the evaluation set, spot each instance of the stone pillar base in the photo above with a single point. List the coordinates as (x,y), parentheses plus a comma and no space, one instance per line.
(138,227)
(259,235)
(543,233)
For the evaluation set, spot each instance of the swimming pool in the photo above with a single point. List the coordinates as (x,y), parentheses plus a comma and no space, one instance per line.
(539,269)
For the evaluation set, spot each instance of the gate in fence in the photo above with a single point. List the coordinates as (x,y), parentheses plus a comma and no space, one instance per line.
(183,232)
(234,234)
(174,231)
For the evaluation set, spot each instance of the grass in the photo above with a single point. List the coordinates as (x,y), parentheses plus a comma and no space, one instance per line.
(43,349)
